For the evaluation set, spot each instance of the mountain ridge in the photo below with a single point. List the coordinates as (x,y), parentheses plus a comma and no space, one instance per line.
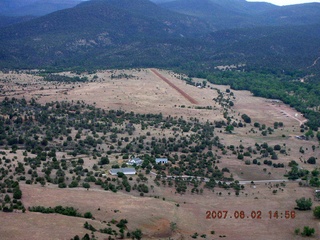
(19,8)
(96,27)
(236,14)
(123,33)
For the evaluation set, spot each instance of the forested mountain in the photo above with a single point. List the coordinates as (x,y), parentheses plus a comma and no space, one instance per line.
(125,33)
(241,14)
(9,5)
(102,33)
(221,14)
(34,7)
(274,48)
(8,20)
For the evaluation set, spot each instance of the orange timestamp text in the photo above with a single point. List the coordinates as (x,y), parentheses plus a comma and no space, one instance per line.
(254,214)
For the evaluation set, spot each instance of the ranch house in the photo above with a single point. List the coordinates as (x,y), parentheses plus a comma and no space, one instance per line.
(136,161)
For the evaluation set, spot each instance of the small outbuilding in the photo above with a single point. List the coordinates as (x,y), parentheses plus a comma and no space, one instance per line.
(126,171)
(317,195)
(161,160)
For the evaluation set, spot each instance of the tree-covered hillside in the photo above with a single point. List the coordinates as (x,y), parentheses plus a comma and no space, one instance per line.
(108,34)
(34,7)
(101,33)
(241,14)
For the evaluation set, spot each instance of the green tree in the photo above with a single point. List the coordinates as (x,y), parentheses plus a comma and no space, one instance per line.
(316,212)
(88,226)
(229,129)
(73,184)
(246,118)
(17,193)
(86,237)
(137,234)
(88,215)
(86,185)
(7,198)
(304,204)
(277,147)
(307,231)
(104,160)
(80,161)
(311,160)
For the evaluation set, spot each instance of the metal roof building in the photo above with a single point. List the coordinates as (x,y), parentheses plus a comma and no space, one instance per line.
(161,160)
(126,171)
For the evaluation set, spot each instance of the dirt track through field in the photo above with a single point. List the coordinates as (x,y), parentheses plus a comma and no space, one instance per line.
(184,94)
(290,116)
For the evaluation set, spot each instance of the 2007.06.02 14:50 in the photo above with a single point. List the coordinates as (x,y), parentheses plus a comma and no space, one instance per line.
(250,215)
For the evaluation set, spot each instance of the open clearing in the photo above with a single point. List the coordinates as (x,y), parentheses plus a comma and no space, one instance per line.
(154,215)
(142,91)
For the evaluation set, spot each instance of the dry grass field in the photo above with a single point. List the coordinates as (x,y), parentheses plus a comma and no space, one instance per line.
(142,91)
(154,215)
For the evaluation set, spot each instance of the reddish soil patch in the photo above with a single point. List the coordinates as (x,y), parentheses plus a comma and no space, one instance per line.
(161,228)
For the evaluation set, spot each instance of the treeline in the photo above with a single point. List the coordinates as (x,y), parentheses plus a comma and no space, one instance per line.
(68,211)
(61,78)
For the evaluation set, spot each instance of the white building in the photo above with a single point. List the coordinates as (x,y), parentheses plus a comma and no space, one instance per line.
(126,171)
(136,161)
(161,160)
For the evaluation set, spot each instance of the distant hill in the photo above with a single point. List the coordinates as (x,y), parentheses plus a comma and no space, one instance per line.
(242,14)
(34,7)
(10,5)
(6,20)
(300,14)
(126,33)
(291,48)
(102,33)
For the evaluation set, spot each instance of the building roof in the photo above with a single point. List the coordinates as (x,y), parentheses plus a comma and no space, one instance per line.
(161,160)
(114,171)
(136,161)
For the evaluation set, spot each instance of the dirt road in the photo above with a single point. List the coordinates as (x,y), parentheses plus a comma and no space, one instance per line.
(184,94)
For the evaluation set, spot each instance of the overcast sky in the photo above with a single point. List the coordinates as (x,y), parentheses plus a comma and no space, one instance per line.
(284,2)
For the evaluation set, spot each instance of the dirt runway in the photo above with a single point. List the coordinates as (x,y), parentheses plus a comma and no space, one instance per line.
(184,94)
